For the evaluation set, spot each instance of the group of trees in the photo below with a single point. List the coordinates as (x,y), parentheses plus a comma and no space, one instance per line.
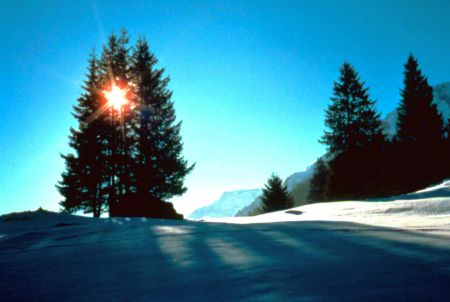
(127,159)
(361,162)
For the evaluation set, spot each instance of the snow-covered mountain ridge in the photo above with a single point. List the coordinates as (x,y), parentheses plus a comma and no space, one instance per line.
(227,205)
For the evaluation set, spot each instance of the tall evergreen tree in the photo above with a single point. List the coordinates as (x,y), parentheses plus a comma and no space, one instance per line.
(353,138)
(418,118)
(128,153)
(82,181)
(160,166)
(351,118)
(275,196)
(419,142)
(115,71)
(318,183)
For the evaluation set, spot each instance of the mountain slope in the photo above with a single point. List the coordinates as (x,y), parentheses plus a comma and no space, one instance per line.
(227,205)
(299,177)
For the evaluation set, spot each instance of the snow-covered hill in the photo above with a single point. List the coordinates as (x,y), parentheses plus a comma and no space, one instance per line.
(227,205)
(427,210)
(441,97)
(327,252)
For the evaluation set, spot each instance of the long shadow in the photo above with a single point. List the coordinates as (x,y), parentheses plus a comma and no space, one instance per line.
(356,266)
(192,261)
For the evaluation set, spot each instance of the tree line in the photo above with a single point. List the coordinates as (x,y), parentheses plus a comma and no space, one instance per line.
(361,161)
(126,160)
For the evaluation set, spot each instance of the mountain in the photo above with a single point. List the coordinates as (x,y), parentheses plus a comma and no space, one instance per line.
(227,205)
(299,177)
(441,97)
(250,210)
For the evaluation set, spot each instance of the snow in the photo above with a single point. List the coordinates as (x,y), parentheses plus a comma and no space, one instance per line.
(385,250)
(426,210)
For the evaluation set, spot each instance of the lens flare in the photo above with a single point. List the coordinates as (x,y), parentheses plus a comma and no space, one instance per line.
(116,97)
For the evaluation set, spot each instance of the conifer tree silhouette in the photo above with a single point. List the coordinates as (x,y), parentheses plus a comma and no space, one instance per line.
(275,196)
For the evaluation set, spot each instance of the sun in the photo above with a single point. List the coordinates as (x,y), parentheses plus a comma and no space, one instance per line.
(116,97)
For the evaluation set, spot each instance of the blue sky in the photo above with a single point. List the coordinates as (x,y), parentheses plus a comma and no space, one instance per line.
(251,79)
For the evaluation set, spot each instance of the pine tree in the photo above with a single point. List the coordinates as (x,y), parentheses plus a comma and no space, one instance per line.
(160,167)
(354,139)
(318,183)
(126,157)
(82,181)
(70,187)
(351,118)
(418,118)
(117,133)
(420,133)
(275,196)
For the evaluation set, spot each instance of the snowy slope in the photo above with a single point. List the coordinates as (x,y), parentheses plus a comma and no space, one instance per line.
(427,209)
(227,205)
(441,97)
(53,257)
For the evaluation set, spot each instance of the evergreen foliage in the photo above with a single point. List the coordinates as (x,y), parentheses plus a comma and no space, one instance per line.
(418,118)
(159,168)
(354,140)
(275,196)
(318,183)
(127,160)
(115,70)
(351,119)
(418,154)
(81,184)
